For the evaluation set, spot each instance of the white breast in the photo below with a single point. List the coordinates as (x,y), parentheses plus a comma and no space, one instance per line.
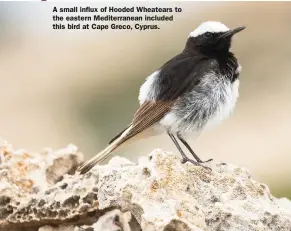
(225,109)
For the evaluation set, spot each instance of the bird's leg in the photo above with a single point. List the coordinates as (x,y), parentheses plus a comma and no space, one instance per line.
(184,157)
(191,151)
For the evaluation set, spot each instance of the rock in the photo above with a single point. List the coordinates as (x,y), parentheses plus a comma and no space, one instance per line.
(113,221)
(285,203)
(24,174)
(60,228)
(160,193)
(64,161)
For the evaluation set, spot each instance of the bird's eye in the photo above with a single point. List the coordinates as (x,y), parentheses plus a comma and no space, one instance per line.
(207,35)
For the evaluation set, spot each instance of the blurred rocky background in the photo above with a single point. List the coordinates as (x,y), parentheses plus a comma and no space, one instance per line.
(77,87)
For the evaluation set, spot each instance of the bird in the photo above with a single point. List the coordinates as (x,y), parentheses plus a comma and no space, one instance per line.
(195,90)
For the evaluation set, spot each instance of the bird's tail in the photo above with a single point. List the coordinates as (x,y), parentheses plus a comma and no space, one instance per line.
(104,153)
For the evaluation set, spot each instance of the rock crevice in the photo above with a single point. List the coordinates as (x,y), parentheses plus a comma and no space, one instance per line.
(41,192)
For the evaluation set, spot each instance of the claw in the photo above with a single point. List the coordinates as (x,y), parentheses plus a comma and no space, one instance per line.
(185,160)
(206,161)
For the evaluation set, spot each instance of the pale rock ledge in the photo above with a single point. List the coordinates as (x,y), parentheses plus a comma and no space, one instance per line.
(40,192)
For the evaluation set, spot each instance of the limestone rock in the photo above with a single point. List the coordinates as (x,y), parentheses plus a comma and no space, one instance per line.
(24,174)
(161,194)
(59,228)
(285,203)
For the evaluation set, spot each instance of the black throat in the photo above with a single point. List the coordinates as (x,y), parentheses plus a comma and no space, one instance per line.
(226,60)
(228,65)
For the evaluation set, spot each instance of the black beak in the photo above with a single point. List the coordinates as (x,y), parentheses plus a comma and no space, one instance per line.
(230,33)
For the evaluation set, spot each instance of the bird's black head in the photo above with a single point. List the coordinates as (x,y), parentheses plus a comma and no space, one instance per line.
(211,38)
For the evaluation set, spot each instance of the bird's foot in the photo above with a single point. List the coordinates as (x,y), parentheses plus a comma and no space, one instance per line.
(206,161)
(186,159)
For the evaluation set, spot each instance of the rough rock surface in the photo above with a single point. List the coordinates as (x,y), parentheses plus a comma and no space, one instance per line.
(24,174)
(161,193)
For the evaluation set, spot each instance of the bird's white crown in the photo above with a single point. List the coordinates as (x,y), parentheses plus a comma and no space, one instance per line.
(210,26)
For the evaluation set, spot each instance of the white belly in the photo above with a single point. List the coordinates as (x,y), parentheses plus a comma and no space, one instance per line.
(185,119)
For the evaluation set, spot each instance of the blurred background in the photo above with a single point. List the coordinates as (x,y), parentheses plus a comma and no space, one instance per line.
(60,87)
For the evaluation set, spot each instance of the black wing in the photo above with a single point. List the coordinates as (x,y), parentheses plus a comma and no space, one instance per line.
(181,74)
